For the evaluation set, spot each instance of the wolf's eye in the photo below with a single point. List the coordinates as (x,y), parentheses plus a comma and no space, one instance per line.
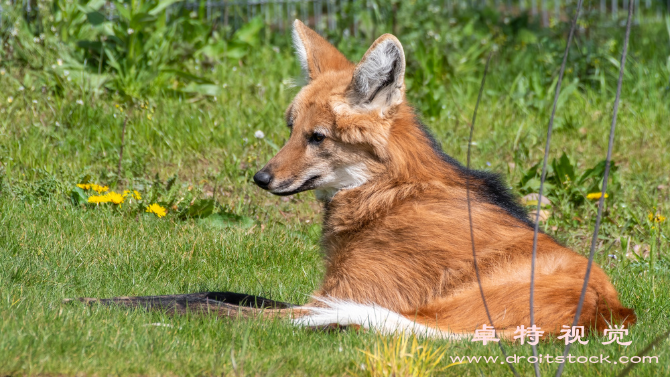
(317,137)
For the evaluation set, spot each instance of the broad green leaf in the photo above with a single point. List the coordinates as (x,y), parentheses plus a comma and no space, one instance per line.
(78,196)
(236,52)
(123,11)
(142,21)
(249,33)
(92,5)
(597,173)
(170,182)
(111,60)
(564,171)
(95,18)
(200,208)
(90,45)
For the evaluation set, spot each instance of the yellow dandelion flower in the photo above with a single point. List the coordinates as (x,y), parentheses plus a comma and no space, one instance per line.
(10,99)
(157,209)
(97,199)
(595,195)
(656,218)
(99,189)
(84,186)
(115,198)
(134,195)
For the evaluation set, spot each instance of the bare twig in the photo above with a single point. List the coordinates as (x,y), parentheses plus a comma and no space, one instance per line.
(601,202)
(467,193)
(544,176)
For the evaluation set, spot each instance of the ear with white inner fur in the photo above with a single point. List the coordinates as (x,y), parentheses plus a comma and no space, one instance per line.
(379,78)
(315,54)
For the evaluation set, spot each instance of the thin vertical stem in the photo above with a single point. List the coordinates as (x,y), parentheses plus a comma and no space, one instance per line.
(601,202)
(544,172)
(467,194)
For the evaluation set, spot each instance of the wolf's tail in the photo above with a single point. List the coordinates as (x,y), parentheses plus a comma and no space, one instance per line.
(607,315)
(369,316)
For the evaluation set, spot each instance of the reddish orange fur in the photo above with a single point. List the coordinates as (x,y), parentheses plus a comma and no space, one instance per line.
(402,239)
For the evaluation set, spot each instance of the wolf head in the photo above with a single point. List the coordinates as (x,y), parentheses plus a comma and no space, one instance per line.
(341,120)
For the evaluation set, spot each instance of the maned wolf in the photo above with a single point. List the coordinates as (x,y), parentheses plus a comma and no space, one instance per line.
(396,235)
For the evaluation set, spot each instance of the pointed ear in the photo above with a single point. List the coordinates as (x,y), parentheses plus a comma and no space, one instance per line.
(315,54)
(379,78)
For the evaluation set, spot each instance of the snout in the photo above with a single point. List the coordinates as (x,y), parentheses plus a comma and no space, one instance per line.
(263,179)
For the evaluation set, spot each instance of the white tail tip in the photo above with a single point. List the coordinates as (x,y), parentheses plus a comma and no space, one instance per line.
(368,316)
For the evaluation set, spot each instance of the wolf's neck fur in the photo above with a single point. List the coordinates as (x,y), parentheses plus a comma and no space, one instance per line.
(416,165)
(345,177)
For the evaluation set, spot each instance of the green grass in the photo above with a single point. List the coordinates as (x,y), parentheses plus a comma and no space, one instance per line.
(51,250)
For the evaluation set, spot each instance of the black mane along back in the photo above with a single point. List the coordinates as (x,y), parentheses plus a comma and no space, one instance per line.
(485,185)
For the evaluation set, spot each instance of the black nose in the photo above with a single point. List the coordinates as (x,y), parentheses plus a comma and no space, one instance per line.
(262,179)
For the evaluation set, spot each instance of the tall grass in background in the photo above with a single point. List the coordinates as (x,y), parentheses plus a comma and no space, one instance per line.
(193,95)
